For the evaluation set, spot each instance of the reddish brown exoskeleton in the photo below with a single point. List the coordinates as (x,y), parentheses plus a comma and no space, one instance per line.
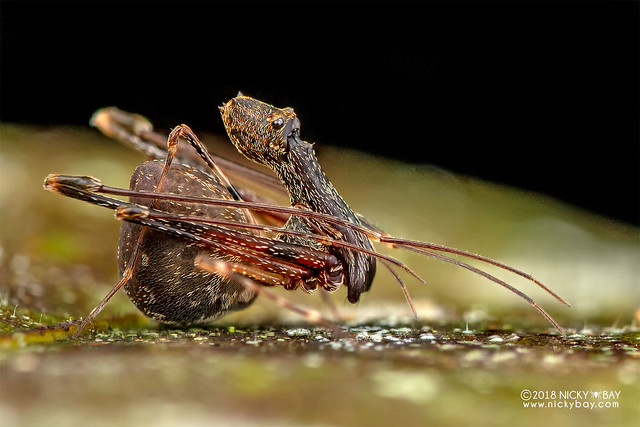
(191,247)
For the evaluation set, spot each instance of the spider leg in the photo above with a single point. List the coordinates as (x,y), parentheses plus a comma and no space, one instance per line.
(126,276)
(423,247)
(127,128)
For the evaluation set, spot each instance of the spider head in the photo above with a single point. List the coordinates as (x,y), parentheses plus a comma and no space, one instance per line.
(258,130)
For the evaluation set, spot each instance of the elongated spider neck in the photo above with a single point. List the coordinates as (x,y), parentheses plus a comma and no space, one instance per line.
(306,183)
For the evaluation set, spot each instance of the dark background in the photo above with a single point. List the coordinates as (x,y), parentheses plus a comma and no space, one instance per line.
(538,95)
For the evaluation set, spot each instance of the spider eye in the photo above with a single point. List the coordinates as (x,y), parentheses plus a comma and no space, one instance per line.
(277,123)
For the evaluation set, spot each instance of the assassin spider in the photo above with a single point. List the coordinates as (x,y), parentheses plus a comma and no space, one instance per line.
(194,247)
